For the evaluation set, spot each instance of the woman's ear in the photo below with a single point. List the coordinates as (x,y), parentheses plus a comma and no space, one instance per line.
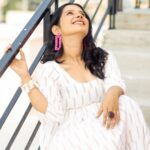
(55,30)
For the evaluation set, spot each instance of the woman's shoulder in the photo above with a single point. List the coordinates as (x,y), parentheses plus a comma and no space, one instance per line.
(48,65)
(46,70)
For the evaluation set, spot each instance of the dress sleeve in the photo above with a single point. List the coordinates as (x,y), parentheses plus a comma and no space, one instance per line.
(48,85)
(112,74)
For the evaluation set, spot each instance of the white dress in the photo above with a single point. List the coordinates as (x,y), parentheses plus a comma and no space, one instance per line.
(70,121)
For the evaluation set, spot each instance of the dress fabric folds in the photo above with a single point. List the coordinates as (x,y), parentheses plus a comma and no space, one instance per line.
(70,122)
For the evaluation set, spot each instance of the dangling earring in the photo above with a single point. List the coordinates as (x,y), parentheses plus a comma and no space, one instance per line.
(57,42)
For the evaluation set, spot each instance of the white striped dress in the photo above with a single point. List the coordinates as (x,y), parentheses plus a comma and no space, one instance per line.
(70,121)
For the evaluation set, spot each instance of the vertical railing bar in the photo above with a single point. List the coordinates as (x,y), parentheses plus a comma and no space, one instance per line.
(18,127)
(112,13)
(101,23)
(119,5)
(37,59)
(32,136)
(46,25)
(72,1)
(85,4)
(56,4)
(114,21)
(110,21)
(96,10)
(138,2)
(18,91)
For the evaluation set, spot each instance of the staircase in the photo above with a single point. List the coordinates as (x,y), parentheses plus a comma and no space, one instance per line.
(130,43)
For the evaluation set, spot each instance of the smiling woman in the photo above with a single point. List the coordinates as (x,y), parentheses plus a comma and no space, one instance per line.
(80,93)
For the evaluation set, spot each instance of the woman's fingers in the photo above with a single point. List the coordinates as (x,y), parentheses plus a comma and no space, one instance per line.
(7,48)
(117,117)
(110,122)
(113,122)
(105,114)
(22,54)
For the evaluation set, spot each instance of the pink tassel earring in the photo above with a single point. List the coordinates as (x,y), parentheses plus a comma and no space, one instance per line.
(57,42)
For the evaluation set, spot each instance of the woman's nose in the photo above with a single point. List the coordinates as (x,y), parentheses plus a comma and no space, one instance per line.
(79,16)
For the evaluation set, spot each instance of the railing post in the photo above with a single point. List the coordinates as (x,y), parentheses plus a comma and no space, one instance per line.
(46,27)
(56,4)
(137,3)
(149,3)
(112,13)
(119,5)
(46,24)
(72,1)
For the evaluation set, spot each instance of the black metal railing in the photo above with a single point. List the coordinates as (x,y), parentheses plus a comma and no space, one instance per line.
(138,3)
(119,5)
(42,12)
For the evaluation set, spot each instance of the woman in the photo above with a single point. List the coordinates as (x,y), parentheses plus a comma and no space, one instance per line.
(79,95)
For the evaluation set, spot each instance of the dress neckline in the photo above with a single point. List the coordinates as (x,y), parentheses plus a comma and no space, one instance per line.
(70,77)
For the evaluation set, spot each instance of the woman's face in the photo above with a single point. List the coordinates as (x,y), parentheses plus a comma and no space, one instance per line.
(73,21)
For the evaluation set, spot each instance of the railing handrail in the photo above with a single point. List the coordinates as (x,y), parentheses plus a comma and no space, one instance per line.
(24,35)
(42,12)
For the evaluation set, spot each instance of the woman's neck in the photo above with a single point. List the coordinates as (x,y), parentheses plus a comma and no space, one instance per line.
(73,47)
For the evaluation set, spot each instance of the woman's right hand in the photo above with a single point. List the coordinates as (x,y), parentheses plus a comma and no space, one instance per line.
(20,65)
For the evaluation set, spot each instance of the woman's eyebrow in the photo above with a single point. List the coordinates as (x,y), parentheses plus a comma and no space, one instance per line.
(74,10)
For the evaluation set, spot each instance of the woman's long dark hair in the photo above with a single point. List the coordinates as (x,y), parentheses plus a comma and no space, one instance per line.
(94,57)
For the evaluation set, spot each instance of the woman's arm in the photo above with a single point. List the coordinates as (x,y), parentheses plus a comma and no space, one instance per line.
(38,100)
(114,91)
(114,87)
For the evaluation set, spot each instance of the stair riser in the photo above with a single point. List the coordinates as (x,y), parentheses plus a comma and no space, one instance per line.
(126,48)
(128,41)
(135,63)
(133,21)
(138,86)
(126,37)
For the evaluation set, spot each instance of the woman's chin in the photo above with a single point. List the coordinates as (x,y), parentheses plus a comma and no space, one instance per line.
(79,31)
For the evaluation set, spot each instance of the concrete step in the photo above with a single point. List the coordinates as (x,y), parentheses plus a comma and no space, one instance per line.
(125,48)
(138,19)
(138,87)
(146,113)
(132,38)
(133,63)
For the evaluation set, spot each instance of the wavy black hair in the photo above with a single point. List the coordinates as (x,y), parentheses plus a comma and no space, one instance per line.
(94,57)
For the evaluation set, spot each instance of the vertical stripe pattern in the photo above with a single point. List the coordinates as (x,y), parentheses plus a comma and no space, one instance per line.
(70,122)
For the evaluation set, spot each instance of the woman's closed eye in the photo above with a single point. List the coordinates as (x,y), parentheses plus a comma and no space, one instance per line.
(70,13)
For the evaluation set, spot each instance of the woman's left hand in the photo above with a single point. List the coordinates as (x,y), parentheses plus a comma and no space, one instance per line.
(110,104)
